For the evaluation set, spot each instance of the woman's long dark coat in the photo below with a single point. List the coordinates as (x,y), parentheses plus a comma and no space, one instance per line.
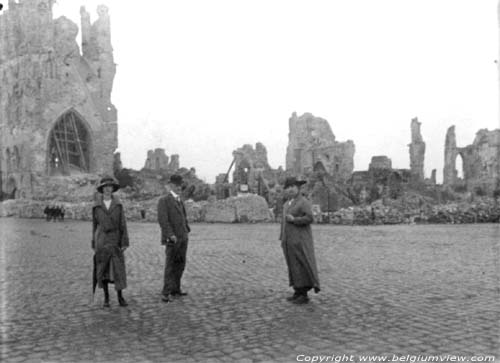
(297,243)
(109,235)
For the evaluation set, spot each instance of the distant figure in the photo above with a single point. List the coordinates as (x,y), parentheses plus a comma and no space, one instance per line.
(174,236)
(297,243)
(143,213)
(61,212)
(109,240)
(47,213)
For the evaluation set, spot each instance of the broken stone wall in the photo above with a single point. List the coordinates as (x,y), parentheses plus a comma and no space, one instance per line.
(44,78)
(249,163)
(156,160)
(480,162)
(312,146)
(380,162)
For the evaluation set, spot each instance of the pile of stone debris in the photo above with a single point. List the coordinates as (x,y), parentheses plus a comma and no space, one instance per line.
(484,210)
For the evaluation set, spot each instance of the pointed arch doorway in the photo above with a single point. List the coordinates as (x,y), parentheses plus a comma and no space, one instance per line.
(69,146)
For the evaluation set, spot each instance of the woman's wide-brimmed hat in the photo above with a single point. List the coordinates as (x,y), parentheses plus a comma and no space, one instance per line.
(291,181)
(108,180)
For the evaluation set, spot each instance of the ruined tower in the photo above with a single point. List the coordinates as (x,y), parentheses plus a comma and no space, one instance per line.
(450,157)
(417,151)
(56,115)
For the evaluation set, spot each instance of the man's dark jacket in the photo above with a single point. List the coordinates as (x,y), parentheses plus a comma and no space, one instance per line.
(172,219)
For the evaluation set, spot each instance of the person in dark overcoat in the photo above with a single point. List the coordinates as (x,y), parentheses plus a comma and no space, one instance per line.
(297,242)
(109,240)
(174,236)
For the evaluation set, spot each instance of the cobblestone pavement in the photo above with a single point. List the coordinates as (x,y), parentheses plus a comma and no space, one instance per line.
(403,290)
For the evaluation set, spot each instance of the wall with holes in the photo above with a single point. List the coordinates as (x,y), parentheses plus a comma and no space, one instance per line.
(56,115)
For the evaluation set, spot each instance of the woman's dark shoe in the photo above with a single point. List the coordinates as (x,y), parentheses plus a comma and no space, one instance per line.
(106,304)
(122,301)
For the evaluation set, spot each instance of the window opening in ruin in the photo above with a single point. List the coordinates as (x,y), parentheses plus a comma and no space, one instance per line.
(10,189)
(459,166)
(319,167)
(68,146)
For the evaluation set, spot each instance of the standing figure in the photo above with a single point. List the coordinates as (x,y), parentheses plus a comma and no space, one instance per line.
(174,236)
(61,212)
(297,242)
(46,211)
(109,240)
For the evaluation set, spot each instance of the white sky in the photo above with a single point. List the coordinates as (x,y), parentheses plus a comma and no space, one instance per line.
(201,78)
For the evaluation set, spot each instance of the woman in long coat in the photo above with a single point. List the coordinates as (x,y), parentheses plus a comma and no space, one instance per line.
(109,240)
(297,243)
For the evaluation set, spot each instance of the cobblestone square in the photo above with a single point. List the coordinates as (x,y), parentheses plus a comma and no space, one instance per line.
(386,290)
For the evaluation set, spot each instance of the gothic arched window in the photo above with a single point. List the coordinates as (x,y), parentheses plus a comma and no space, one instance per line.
(69,146)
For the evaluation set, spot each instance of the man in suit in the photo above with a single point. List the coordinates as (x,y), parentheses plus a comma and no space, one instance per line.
(174,236)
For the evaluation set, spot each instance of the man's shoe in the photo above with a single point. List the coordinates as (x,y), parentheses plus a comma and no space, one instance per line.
(166,298)
(106,304)
(122,301)
(301,299)
(292,298)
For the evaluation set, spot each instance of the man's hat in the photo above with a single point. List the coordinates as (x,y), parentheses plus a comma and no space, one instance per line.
(108,180)
(291,181)
(176,179)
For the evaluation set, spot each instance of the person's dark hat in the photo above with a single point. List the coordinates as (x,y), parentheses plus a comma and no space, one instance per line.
(176,179)
(291,181)
(108,180)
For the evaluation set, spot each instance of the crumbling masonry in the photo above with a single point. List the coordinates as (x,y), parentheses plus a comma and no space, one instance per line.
(312,147)
(56,116)
(480,162)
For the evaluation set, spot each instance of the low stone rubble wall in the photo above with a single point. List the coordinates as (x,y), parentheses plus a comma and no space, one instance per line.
(244,209)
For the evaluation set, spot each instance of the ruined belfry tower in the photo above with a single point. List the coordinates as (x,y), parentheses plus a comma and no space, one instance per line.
(56,115)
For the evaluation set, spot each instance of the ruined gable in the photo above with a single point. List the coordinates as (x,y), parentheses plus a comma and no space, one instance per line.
(56,115)
(312,146)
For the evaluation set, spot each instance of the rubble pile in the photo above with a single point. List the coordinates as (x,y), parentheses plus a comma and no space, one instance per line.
(485,210)
(75,188)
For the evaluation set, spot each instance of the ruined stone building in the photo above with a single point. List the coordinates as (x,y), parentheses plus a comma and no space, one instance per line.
(252,173)
(158,160)
(480,162)
(312,147)
(56,115)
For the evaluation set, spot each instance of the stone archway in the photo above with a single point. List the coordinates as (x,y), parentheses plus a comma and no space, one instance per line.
(319,167)
(69,146)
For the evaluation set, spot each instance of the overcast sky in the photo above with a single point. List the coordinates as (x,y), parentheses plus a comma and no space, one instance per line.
(201,78)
